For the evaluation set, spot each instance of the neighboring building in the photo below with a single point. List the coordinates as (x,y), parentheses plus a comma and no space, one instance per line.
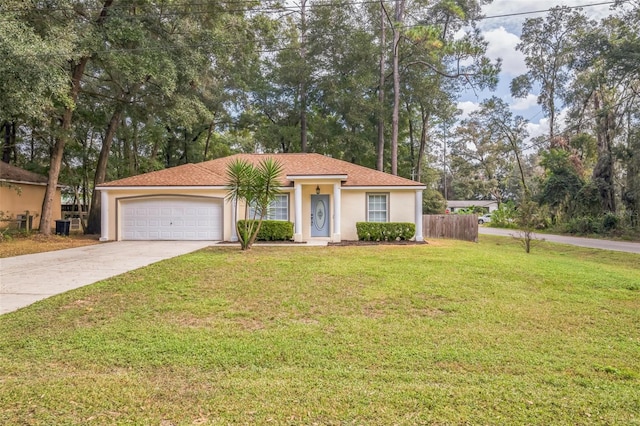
(322,196)
(453,206)
(22,191)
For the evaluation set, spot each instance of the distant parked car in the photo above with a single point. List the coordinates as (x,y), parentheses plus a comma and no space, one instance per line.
(485,218)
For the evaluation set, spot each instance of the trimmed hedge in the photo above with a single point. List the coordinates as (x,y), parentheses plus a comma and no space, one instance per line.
(273,230)
(385,231)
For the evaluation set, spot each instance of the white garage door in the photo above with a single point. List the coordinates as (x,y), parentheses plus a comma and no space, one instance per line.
(172,218)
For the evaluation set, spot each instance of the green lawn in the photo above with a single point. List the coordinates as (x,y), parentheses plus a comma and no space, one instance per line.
(444,333)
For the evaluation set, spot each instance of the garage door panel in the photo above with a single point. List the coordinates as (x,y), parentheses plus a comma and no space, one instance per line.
(172,218)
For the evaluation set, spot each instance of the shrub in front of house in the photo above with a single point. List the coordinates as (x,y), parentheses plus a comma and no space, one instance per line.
(385,231)
(273,230)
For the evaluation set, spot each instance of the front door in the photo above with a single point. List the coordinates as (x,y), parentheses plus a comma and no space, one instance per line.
(320,216)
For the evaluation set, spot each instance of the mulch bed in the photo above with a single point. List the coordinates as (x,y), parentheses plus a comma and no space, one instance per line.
(342,243)
(378,243)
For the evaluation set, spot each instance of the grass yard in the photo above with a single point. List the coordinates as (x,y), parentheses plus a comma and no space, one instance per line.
(444,333)
(19,243)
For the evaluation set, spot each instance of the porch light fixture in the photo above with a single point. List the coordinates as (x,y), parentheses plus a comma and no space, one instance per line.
(317,189)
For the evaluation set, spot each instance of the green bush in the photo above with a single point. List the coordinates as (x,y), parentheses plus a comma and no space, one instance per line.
(385,231)
(273,230)
(610,222)
(433,202)
(505,216)
(583,225)
(593,224)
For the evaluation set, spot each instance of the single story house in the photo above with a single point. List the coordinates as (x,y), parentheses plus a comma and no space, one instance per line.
(22,191)
(322,196)
(456,205)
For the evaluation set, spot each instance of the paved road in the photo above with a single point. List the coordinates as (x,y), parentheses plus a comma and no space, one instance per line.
(576,241)
(29,278)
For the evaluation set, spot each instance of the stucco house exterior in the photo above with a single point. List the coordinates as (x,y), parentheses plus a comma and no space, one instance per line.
(322,196)
(22,191)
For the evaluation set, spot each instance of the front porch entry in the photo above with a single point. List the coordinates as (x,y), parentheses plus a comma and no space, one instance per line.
(317,206)
(320,216)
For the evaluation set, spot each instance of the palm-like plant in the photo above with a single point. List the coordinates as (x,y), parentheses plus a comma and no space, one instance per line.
(256,187)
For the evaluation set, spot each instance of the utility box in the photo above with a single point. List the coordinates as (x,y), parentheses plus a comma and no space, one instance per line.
(62,227)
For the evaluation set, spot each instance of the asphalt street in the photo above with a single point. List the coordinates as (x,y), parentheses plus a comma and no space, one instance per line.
(625,246)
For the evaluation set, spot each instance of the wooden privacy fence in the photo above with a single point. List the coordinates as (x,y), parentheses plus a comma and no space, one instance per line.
(454,226)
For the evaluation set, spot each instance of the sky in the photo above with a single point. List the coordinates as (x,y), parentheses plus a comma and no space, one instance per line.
(503,34)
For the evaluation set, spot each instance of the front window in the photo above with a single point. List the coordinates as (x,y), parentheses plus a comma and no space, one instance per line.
(278,209)
(377,208)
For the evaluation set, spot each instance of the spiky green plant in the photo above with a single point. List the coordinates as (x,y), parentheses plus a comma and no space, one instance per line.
(255,186)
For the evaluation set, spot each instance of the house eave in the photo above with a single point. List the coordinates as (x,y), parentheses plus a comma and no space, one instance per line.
(383,187)
(169,188)
(317,177)
(24,182)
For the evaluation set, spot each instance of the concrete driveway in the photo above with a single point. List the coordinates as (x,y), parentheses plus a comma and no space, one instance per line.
(29,278)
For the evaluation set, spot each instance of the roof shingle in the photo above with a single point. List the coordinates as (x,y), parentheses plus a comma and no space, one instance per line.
(12,173)
(213,172)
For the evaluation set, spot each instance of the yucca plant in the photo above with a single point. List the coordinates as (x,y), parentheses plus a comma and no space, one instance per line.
(256,187)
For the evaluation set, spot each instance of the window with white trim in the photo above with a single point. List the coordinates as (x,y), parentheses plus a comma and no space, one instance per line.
(377,207)
(278,208)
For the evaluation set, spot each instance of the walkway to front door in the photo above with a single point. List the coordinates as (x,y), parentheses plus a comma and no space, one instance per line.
(320,214)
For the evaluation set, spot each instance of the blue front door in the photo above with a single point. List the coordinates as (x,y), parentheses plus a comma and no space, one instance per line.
(320,216)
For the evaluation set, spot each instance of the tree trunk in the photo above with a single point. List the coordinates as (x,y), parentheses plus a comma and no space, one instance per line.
(411,139)
(167,155)
(61,139)
(32,149)
(135,166)
(58,149)
(303,83)
(185,152)
(423,142)
(395,119)
(13,142)
(603,170)
(94,223)
(383,60)
(6,148)
(154,150)
(208,141)
(126,155)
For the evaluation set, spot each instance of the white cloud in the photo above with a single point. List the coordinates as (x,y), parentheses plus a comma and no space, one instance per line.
(523,9)
(522,104)
(504,7)
(540,128)
(503,34)
(502,44)
(467,108)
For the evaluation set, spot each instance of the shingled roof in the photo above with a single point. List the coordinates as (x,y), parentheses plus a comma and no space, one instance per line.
(213,173)
(10,173)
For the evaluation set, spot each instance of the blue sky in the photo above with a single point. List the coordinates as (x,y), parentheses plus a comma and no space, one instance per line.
(503,34)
